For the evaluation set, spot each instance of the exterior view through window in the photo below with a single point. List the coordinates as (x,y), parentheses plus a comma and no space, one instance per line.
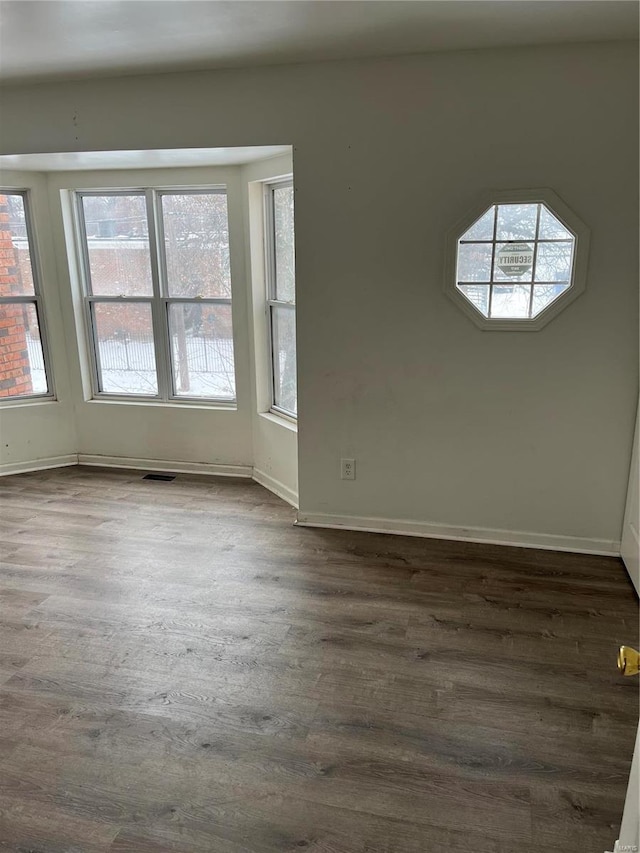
(158,292)
(281,296)
(23,371)
(515,261)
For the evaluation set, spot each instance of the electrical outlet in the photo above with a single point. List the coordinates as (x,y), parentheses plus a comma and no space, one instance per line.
(347,469)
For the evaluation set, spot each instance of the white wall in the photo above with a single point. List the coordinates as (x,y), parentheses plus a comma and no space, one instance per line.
(33,434)
(449,424)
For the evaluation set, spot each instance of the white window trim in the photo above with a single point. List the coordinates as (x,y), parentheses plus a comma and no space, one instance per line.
(270,283)
(159,301)
(578,280)
(37,299)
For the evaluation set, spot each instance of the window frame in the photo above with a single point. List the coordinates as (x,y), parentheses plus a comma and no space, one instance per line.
(271,301)
(159,300)
(37,299)
(561,211)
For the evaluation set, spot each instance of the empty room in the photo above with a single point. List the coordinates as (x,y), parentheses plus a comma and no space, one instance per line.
(319,359)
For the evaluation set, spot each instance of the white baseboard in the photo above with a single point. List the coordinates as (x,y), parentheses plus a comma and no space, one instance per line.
(38,464)
(276,487)
(520,539)
(165,465)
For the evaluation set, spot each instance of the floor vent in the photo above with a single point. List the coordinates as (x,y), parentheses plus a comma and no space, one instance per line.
(164,477)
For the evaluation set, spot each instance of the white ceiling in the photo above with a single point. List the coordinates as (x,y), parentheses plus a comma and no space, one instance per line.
(168,158)
(71,38)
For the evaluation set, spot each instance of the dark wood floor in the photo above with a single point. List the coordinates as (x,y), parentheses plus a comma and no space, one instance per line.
(181,669)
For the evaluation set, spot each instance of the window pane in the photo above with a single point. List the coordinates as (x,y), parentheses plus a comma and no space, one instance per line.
(516,221)
(513,262)
(510,300)
(554,261)
(482,229)
(202,350)
(196,239)
(21,357)
(544,295)
(283,330)
(126,356)
(550,227)
(478,295)
(474,261)
(118,245)
(16,273)
(285,284)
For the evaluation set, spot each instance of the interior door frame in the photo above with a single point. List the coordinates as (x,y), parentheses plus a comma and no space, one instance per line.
(630,542)
(629,840)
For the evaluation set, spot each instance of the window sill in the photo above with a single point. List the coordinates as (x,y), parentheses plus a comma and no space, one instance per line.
(165,404)
(280,420)
(16,402)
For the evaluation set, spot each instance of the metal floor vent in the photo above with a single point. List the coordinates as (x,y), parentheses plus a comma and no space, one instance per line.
(163,477)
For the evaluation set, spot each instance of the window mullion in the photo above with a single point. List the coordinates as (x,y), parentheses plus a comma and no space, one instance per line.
(13,300)
(535,262)
(280,304)
(124,299)
(159,308)
(493,260)
(198,300)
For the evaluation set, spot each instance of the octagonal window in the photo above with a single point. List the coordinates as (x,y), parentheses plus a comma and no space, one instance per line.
(516,259)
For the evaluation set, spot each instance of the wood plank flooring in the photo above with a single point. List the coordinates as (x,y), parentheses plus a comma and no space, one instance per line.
(182,669)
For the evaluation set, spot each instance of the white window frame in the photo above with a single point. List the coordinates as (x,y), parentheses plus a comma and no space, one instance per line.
(36,299)
(160,301)
(271,291)
(578,276)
